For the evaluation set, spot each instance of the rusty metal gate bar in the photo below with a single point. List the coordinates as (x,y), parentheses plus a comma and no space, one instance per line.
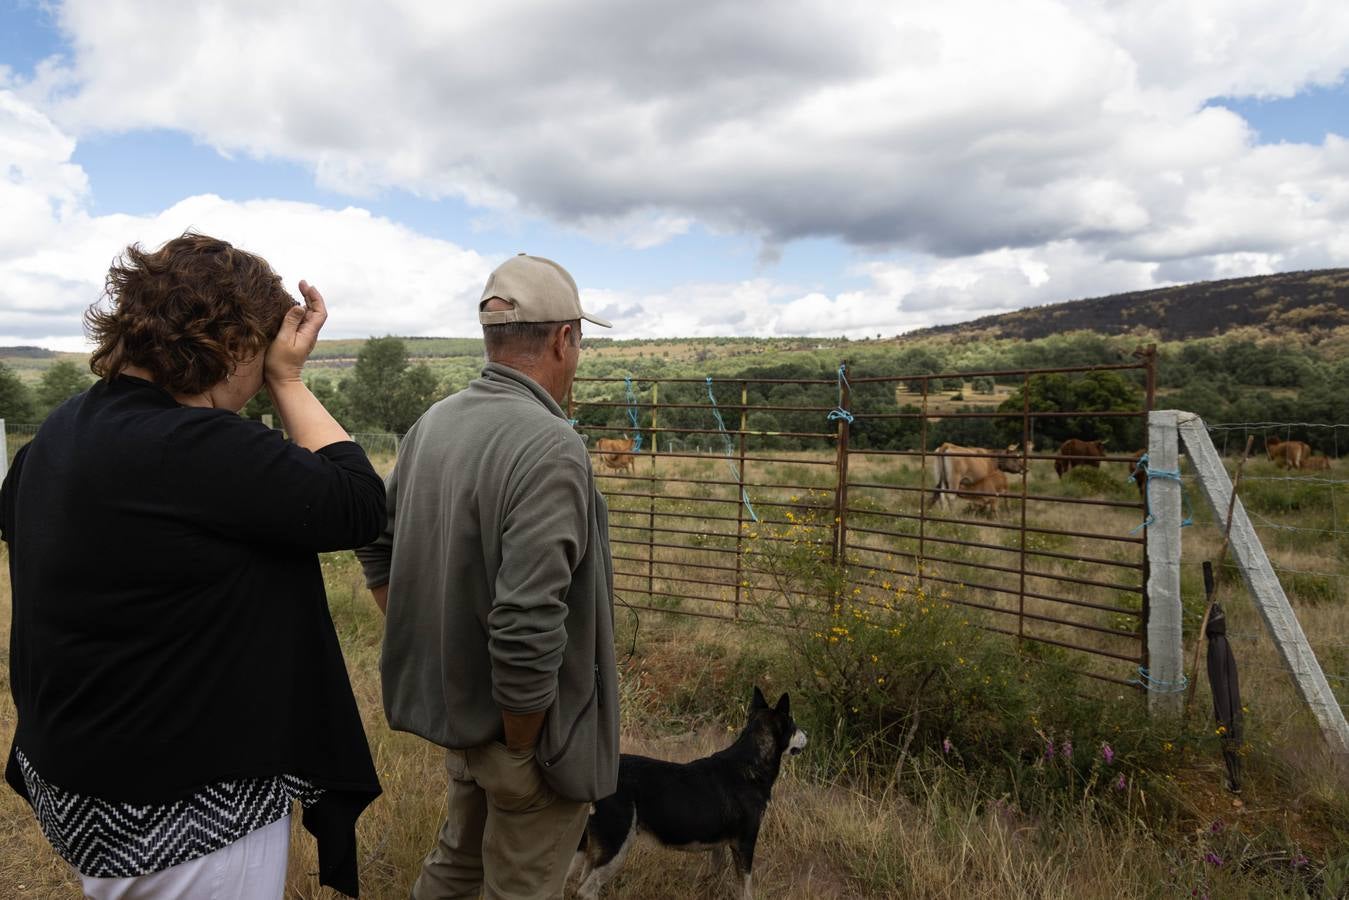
(928,566)
(671,571)
(740,507)
(671,564)
(922,483)
(1025,481)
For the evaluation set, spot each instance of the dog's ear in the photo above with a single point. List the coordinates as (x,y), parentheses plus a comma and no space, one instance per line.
(784,706)
(758,702)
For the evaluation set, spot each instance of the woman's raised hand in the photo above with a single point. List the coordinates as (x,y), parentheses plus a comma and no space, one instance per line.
(296,339)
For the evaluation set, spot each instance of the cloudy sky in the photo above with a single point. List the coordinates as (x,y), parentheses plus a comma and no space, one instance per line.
(703,168)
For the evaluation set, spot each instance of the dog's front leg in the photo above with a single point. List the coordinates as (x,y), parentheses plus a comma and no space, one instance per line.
(742,851)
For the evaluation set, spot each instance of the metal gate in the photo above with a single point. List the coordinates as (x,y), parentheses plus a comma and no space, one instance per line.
(722,470)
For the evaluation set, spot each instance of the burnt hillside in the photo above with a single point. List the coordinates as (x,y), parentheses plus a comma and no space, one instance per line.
(1286,303)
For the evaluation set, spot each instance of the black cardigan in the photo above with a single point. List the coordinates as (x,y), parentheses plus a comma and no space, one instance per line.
(170,627)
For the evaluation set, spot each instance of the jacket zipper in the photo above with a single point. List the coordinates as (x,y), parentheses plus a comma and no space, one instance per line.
(571,732)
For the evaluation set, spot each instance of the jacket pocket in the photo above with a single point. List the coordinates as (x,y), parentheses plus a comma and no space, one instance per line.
(580,716)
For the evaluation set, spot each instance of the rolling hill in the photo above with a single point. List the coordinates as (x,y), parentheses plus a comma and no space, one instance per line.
(1311,304)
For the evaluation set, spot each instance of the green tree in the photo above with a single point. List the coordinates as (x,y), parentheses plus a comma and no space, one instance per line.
(60,382)
(384,392)
(16,400)
(321,386)
(261,405)
(1092,392)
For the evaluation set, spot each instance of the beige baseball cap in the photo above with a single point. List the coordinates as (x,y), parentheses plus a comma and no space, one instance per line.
(538,289)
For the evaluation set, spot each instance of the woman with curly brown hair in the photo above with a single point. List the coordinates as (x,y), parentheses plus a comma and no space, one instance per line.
(175,669)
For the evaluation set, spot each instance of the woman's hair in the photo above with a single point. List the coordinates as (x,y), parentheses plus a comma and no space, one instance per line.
(188,312)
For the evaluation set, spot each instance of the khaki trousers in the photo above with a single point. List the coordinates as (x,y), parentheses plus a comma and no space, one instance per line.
(506,833)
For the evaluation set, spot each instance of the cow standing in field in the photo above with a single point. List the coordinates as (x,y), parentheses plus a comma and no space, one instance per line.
(1288,454)
(616,453)
(985,493)
(957,467)
(1072,451)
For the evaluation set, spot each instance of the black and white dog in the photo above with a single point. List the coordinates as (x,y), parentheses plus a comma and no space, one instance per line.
(715,803)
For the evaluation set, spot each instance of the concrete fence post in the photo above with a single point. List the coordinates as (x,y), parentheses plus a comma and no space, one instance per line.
(1165,671)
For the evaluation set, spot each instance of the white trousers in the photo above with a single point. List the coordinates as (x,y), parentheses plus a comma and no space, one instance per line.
(252,868)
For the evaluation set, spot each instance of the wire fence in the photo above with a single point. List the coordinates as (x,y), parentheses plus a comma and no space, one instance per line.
(16,434)
(689,529)
(378,445)
(1326,437)
(1299,514)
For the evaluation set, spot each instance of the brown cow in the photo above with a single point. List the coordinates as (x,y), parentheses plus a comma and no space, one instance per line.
(955,467)
(1316,462)
(616,453)
(1289,454)
(1072,449)
(1139,472)
(985,493)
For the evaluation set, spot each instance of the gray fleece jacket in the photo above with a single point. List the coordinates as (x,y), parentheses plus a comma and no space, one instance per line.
(500,581)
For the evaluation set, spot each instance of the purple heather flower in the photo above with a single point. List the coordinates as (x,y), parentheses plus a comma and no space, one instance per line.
(1107,754)
(946,746)
(1213,859)
(1067,749)
(1119,782)
(1049,748)
(1299,861)
(1216,827)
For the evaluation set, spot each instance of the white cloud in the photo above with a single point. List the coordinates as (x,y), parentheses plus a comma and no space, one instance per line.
(38,183)
(378,276)
(382,277)
(896,298)
(953,127)
(1009,154)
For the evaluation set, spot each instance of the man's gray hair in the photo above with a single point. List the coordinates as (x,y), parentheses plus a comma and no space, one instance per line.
(523,338)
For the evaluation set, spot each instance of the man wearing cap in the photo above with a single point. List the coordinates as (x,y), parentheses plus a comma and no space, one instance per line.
(495,578)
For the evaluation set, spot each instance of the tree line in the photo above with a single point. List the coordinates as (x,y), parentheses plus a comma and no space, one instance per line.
(1223,380)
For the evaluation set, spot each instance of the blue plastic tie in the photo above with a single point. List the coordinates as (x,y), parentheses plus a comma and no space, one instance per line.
(1159,686)
(730,450)
(1151,474)
(840,412)
(632,415)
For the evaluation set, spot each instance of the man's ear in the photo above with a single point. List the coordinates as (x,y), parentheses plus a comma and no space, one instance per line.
(561,340)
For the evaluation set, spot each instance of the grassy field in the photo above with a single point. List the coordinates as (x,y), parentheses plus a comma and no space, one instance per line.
(948,825)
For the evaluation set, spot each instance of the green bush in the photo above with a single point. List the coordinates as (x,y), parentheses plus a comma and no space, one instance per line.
(888,673)
(1110,480)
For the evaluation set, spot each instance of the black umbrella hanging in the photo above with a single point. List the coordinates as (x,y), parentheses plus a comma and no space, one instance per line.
(1222,679)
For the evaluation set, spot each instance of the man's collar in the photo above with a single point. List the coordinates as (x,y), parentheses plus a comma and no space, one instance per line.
(499,374)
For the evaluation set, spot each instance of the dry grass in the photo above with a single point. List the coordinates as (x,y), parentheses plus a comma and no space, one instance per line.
(933,836)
